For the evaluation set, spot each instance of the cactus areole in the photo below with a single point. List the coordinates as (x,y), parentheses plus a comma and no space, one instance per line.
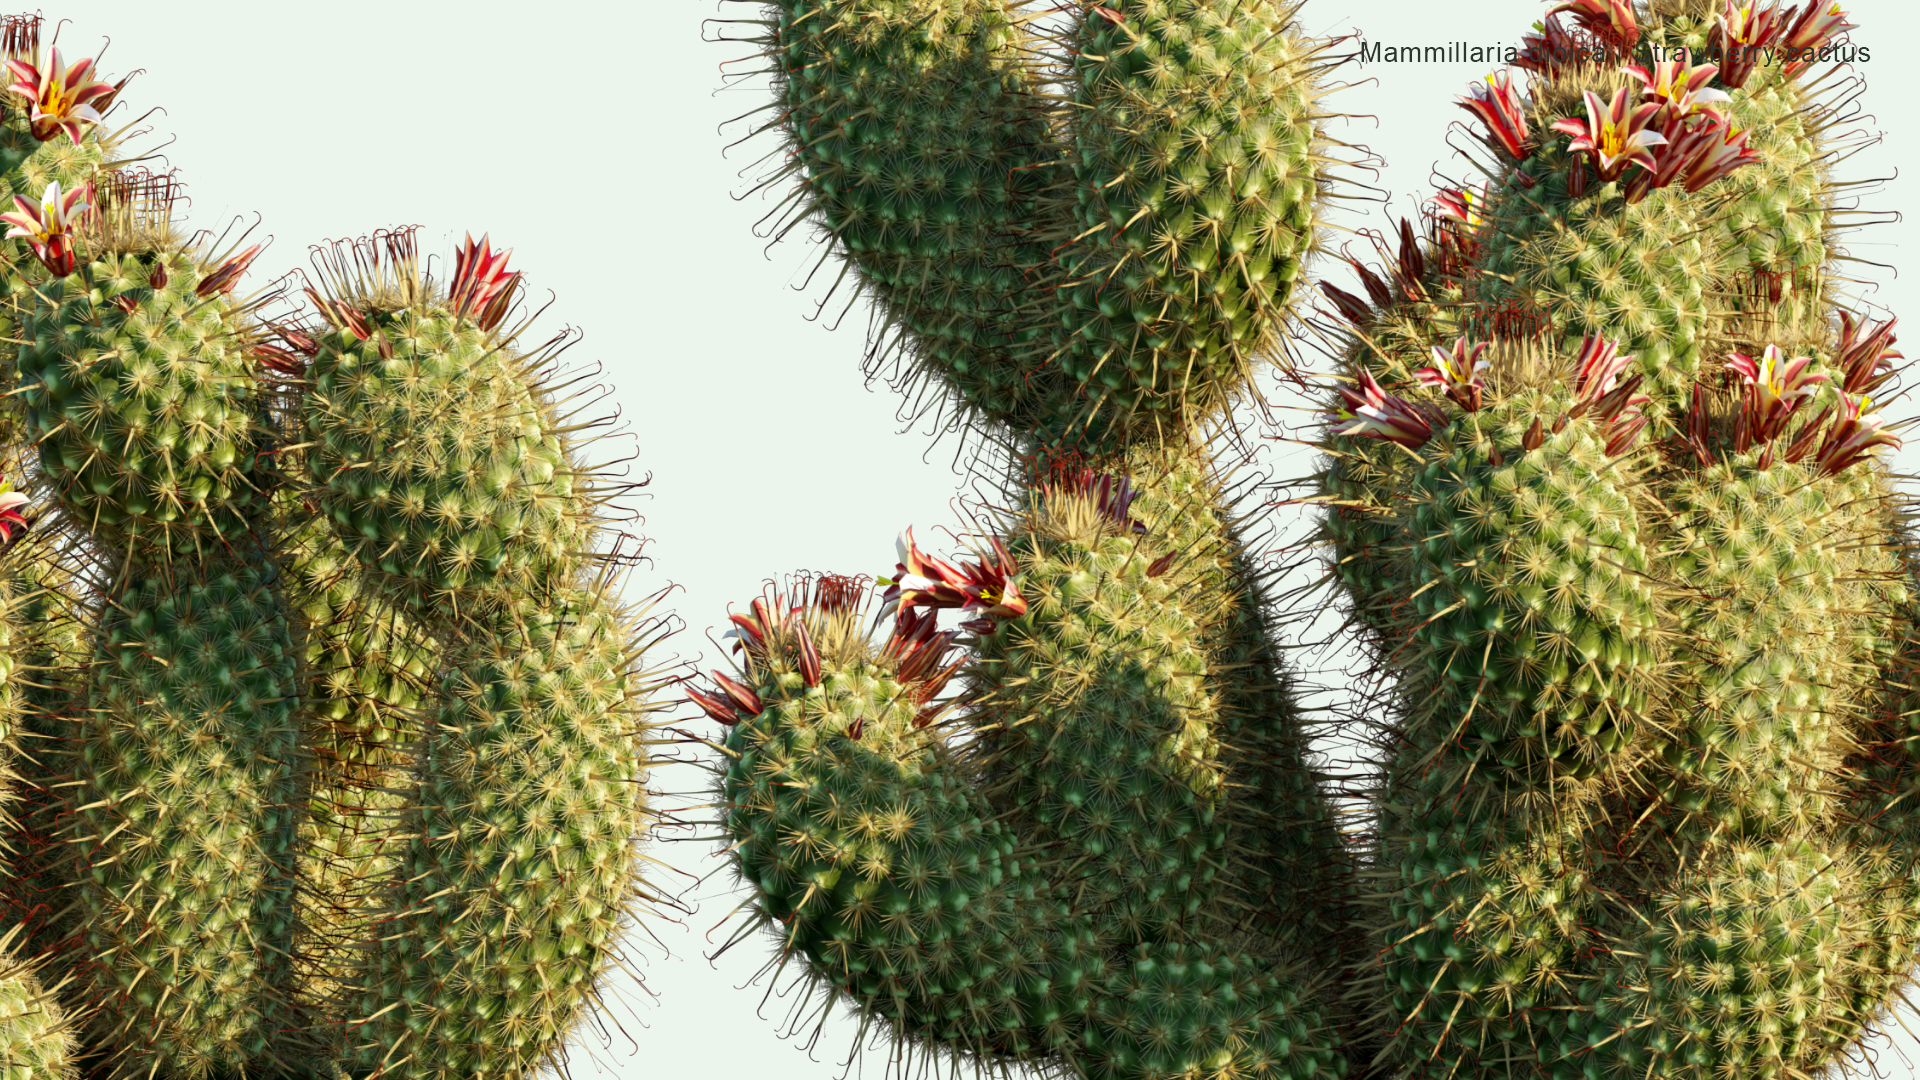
(1604,494)
(320,704)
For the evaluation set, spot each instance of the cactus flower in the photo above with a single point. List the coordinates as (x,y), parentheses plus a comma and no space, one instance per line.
(988,587)
(48,224)
(1596,367)
(1461,205)
(62,100)
(1816,26)
(11,522)
(1549,49)
(1615,133)
(1741,37)
(1498,105)
(1681,91)
(1609,20)
(1457,373)
(1373,413)
(226,275)
(1865,354)
(1721,150)
(1854,433)
(482,284)
(1775,387)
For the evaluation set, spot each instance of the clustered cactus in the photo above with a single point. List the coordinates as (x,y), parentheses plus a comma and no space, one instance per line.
(322,718)
(1601,491)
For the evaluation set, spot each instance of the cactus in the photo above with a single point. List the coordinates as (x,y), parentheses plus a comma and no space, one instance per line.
(1601,494)
(1115,856)
(322,703)
(1605,500)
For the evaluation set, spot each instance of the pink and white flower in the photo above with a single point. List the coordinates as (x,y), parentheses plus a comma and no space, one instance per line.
(1741,36)
(1679,90)
(1498,105)
(1819,24)
(1371,412)
(1865,354)
(48,224)
(1615,133)
(1457,373)
(989,587)
(62,100)
(1596,367)
(1775,387)
(11,521)
(1721,150)
(1855,432)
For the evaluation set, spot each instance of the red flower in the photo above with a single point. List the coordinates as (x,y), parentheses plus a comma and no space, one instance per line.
(62,101)
(1775,387)
(1615,133)
(1855,432)
(1498,105)
(1741,37)
(1457,373)
(1373,413)
(1865,359)
(988,587)
(1816,26)
(1609,20)
(482,285)
(11,522)
(225,276)
(48,224)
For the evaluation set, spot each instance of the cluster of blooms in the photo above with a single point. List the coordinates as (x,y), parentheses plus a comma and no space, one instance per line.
(1774,387)
(1673,130)
(917,648)
(1743,36)
(1371,412)
(1673,133)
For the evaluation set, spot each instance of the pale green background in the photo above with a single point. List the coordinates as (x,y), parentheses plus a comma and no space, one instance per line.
(583,136)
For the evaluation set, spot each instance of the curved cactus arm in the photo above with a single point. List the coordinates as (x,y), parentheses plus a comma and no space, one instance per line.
(185,817)
(1197,167)
(366,668)
(435,450)
(514,864)
(1101,264)
(923,141)
(1091,795)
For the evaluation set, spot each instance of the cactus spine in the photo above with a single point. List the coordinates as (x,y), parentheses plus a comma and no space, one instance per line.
(326,712)
(1601,491)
